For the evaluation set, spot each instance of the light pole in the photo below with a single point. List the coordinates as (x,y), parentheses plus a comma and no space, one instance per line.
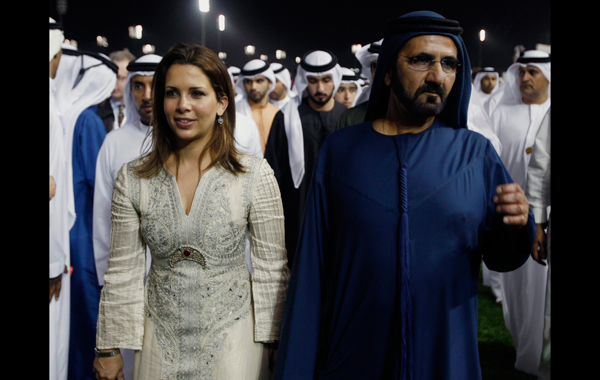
(204,6)
(481,38)
(221,22)
(61,7)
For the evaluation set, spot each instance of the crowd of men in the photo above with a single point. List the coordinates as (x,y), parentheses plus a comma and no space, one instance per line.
(100,118)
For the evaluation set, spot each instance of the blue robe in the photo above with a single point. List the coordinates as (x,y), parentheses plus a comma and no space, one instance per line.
(345,316)
(88,136)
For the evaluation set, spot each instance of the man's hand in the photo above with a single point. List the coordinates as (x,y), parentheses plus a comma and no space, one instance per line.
(539,245)
(512,202)
(52,187)
(110,368)
(55,285)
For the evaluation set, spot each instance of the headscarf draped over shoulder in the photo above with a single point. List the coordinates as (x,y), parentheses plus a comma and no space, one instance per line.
(396,33)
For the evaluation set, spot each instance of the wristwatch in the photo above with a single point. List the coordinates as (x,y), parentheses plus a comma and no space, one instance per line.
(106,354)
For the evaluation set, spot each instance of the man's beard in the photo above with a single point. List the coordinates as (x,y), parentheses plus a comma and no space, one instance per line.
(318,101)
(144,116)
(256,96)
(424,109)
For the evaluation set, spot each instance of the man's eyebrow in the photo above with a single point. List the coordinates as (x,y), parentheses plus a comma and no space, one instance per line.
(430,56)
(424,55)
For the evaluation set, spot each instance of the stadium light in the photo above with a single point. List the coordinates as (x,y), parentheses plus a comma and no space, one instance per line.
(204,5)
(221,23)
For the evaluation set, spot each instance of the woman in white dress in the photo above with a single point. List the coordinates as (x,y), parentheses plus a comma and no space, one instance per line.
(202,313)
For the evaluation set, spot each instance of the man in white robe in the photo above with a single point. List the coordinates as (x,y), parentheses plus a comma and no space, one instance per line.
(120,146)
(254,83)
(62,217)
(516,121)
(479,121)
(538,195)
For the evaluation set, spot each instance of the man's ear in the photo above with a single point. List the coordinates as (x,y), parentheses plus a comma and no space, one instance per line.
(388,77)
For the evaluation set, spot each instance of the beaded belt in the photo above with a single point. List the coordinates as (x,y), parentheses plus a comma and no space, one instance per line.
(182,253)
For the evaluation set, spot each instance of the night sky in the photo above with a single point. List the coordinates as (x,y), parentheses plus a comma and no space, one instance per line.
(299,26)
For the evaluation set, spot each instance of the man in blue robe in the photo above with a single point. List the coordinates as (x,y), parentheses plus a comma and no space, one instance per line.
(400,211)
(88,136)
(95,77)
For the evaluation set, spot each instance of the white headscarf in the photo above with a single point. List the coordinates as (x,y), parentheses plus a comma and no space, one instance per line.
(131,114)
(310,66)
(366,55)
(512,93)
(233,73)
(483,73)
(284,77)
(56,39)
(96,84)
(251,70)
(348,77)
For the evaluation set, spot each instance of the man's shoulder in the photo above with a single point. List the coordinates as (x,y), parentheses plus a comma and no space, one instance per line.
(90,112)
(89,117)
(353,115)
(346,137)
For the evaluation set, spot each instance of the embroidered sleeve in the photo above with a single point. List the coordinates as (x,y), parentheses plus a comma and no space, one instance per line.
(121,312)
(269,260)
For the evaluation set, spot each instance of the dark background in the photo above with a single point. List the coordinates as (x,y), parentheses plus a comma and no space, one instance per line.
(299,26)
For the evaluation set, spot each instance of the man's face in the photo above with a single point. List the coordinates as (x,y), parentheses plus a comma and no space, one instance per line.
(279,91)
(121,80)
(54,64)
(256,87)
(320,89)
(533,85)
(346,94)
(141,88)
(423,93)
(488,83)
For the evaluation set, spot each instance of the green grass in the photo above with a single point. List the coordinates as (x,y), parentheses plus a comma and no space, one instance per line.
(496,349)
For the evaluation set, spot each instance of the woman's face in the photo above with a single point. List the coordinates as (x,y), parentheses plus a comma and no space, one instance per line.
(191,105)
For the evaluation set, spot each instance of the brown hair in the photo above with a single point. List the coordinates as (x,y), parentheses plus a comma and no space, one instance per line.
(221,145)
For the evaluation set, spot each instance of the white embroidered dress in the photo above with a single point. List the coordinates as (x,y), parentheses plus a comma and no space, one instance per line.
(200,315)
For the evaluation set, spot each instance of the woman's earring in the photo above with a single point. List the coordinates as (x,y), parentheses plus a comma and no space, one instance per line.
(220,120)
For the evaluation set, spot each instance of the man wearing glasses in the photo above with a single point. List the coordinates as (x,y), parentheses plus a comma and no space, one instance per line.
(400,210)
